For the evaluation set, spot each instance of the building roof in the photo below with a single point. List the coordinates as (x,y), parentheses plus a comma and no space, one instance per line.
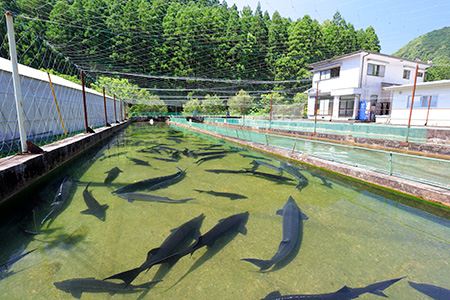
(430,84)
(360,52)
(6,66)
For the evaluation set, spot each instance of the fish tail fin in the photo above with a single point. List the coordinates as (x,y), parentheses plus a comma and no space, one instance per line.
(127,276)
(261,263)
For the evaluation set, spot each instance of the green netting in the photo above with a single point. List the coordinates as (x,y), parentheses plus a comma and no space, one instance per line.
(417,168)
(396,133)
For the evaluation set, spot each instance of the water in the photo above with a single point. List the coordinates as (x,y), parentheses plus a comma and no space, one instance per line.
(352,237)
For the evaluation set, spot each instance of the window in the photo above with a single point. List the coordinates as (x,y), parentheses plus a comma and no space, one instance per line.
(346,107)
(422,101)
(375,70)
(419,74)
(325,106)
(406,74)
(330,73)
(385,108)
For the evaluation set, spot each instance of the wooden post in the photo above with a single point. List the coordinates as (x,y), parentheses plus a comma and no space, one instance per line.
(16,82)
(84,103)
(412,103)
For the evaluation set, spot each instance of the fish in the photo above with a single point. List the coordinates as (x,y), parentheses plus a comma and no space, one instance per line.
(223,171)
(5,267)
(230,224)
(112,175)
(146,184)
(165,159)
(131,197)
(60,197)
(94,208)
(256,163)
(292,226)
(345,293)
(302,180)
(214,152)
(169,181)
(139,162)
(269,176)
(176,140)
(254,156)
(202,160)
(432,291)
(176,241)
(188,153)
(232,196)
(324,180)
(77,286)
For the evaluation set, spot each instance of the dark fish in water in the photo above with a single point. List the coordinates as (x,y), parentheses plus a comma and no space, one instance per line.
(186,233)
(214,152)
(112,155)
(5,267)
(344,293)
(188,153)
(432,291)
(223,171)
(292,226)
(202,160)
(302,180)
(60,197)
(256,163)
(324,180)
(225,226)
(94,208)
(77,286)
(254,156)
(231,196)
(112,175)
(139,162)
(269,176)
(131,197)
(146,184)
(169,181)
(176,140)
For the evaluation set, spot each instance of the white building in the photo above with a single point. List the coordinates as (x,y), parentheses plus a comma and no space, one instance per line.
(431,105)
(347,84)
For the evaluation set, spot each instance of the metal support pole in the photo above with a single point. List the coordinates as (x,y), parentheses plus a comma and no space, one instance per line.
(84,103)
(243,111)
(115,113)
(315,108)
(428,111)
(121,110)
(104,105)
(271,112)
(56,103)
(16,82)
(412,103)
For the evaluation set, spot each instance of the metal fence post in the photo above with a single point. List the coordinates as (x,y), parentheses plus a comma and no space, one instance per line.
(412,103)
(16,82)
(84,103)
(104,105)
(115,113)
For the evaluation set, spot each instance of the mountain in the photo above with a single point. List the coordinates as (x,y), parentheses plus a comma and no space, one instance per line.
(433,47)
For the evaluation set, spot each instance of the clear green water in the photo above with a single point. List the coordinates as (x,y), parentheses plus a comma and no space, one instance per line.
(352,237)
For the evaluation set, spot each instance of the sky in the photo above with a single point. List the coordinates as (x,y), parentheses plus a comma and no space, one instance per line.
(396,22)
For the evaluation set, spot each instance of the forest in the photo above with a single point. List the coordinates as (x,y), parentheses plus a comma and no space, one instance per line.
(171,51)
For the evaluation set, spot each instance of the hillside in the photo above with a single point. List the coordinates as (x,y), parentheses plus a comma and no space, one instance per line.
(434,46)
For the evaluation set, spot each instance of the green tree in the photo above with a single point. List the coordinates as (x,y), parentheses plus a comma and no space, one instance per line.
(192,105)
(237,103)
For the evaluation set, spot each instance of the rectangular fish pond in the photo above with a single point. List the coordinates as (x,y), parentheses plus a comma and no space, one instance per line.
(165,213)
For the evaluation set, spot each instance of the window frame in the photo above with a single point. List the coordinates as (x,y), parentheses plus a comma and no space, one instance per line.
(376,70)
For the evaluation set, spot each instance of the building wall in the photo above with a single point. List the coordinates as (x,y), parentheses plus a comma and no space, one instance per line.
(41,116)
(438,115)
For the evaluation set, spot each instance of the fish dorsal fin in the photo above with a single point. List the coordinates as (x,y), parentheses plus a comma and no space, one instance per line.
(344,289)
(152,252)
(379,293)
(273,295)
(280,212)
